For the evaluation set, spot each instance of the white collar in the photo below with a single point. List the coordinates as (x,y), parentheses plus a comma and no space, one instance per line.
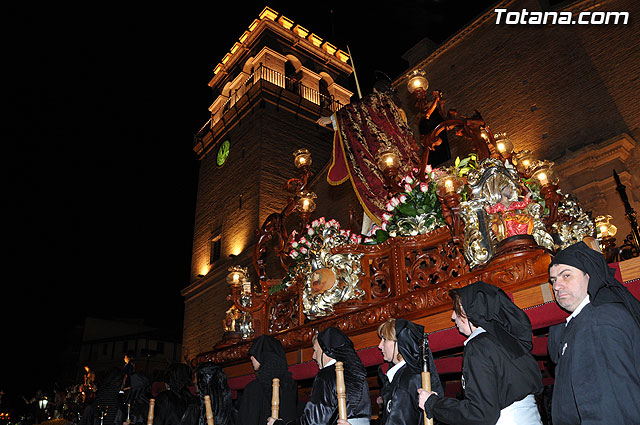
(578,309)
(475,333)
(329,363)
(392,371)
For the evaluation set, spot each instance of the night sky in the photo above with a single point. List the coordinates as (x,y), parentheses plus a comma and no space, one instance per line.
(102,101)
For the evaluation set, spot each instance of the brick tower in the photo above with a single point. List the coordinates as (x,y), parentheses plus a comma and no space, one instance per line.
(269,90)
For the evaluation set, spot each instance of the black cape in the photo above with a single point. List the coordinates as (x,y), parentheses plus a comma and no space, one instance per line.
(255,403)
(597,377)
(498,368)
(172,406)
(322,407)
(400,396)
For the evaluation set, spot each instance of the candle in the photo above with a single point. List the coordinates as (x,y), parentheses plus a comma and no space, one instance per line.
(448,185)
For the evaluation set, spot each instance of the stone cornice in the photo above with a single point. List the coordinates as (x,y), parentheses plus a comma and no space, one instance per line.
(596,155)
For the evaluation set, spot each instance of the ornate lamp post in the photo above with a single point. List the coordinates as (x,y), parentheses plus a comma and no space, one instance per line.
(504,145)
(448,186)
(388,161)
(522,160)
(305,205)
(543,172)
(605,234)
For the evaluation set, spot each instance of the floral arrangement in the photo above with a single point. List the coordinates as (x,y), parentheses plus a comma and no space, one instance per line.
(308,244)
(415,211)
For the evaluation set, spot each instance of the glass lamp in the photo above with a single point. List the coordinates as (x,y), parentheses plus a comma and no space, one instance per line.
(522,160)
(504,145)
(388,159)
(448,183)
(306,203)
(237,275)
(417,81)
(604,227)
(542,171)
(302,158)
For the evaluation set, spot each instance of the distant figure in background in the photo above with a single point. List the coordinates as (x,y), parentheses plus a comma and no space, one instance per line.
(135,408)
(104,408)
(172,403)
(128,369)
(269,361)
(212,381)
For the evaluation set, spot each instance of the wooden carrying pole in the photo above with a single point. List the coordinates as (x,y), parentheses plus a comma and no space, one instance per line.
(209,411)
(152,404)
(275,399)
(426,373)
(342,391)
(426,385)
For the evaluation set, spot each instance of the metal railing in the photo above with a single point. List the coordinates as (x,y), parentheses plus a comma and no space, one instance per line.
(287,83)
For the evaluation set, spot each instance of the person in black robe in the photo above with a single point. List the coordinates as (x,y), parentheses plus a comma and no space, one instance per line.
(500,377)
(172,404)
(269,362)
(211,380)
(105,406)
(135,407)
(400,342)
(597,351)
(329,346)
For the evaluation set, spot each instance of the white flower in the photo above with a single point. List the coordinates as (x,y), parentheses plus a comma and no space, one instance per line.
(402,198)
(321,220)
(428,170)
(392,233)
(294,244)
(385,217)
(310,231)
(293,254)
(424,186)
(303,250)
(394,201)
(390,206)
(384,225)
(413,232)
(408,188)
(408,179)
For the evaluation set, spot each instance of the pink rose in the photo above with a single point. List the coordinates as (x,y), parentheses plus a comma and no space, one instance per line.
(424,186)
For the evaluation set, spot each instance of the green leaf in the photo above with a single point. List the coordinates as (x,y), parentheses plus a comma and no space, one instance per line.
(407,209)
(381,235)
(463,163)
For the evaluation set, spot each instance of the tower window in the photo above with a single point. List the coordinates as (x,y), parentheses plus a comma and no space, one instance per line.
(215,247)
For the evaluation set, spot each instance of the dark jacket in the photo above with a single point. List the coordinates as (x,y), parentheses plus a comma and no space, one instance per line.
(400,396)
(255,403)
(322,407)
(598,368)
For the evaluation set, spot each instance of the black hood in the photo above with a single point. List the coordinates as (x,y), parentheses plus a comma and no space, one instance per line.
(603,286)
(489,307)
(409,336)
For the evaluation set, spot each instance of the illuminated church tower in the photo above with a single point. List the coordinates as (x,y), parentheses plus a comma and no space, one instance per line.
(277,80)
